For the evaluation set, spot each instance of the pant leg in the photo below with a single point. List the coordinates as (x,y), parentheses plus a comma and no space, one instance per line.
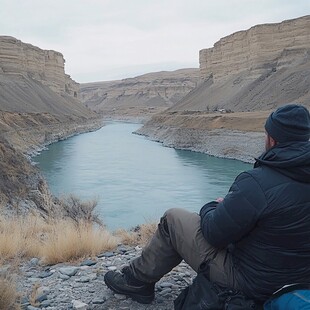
(177,237)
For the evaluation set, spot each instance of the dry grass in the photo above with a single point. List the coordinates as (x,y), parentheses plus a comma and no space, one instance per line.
(53,241)
(34,295)
(137,236)
(17,236)
(8,294)
(70,241)
(62,240)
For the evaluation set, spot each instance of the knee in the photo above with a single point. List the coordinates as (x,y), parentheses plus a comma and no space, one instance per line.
(176,213)
(173,217)
(172,214)
(167,219)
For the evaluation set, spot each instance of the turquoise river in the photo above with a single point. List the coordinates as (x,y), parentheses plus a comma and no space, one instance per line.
(134,179)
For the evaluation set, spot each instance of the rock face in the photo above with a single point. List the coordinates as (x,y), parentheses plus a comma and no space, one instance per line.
(45,66)
(159,89)
(258,69)
(256,48)
(34,81)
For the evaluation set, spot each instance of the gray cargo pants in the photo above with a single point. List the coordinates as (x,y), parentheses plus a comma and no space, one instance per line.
(179,237)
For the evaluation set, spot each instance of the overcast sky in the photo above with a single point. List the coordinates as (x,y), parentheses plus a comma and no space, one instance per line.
(114,39)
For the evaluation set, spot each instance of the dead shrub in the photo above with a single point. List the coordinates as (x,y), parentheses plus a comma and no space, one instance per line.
(78,210)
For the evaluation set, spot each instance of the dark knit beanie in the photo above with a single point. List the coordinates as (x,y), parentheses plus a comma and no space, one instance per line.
(289,123)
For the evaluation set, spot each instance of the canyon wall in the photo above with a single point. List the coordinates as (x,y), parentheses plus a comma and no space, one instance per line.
(45,66)
(254,49)
(148,91)
(257,69)
(39,105)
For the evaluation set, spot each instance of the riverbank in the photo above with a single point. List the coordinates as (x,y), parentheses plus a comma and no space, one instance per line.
(22,136)
(233,135)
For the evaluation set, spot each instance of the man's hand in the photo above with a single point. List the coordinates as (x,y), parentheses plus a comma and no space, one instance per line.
(220,199)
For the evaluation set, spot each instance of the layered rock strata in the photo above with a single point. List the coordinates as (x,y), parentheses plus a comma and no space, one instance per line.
(152,90)
(45,66)
(258,69)
(256,48)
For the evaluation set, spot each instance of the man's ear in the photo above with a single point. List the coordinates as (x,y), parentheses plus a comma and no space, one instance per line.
(272,141)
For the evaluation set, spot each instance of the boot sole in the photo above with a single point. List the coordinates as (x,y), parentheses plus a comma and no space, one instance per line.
(143,299)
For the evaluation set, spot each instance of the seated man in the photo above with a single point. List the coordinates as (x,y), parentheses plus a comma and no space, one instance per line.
(256,239)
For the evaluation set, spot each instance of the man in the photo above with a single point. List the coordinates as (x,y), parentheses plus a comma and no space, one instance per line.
(256,239)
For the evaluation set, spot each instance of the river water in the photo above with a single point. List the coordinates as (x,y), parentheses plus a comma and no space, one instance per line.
(134,179)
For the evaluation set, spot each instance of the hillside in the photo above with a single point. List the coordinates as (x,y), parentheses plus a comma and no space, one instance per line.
(39,104)
(257,69)
(149,92)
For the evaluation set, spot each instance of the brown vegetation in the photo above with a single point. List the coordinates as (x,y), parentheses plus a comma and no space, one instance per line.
(8,294)
(53,241)
(74,237)
(137,236)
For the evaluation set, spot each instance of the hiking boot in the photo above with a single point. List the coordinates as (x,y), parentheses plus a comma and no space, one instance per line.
(123,282)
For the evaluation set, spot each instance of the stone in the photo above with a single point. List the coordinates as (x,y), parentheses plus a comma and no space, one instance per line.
(79,305)
(45,274)
(34,261)
(68,271)
(165,284)
(88,262)
(41,298)
(106,254)
(98,301)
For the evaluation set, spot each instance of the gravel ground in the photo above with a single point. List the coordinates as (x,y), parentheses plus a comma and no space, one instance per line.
(81,286)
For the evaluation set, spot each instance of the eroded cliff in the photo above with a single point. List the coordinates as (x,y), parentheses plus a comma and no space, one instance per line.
(39,105)
(45,66)
(255,49)
(149,91)
(257,69)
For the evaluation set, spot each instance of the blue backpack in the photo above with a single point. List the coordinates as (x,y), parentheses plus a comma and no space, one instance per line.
(290,297)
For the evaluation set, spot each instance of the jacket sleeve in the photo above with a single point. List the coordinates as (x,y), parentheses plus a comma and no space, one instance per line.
(233,218)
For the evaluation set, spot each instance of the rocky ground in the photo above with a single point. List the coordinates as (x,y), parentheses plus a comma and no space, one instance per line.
(81,285)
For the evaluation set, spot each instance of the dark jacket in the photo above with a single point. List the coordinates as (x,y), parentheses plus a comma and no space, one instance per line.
(264,221)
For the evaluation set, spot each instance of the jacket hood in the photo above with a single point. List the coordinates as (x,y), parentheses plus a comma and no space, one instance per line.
(291,159)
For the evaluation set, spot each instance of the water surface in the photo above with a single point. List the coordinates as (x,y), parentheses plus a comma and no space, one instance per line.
(134,180)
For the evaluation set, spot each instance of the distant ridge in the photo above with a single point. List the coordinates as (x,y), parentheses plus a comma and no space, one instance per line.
(157,89)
